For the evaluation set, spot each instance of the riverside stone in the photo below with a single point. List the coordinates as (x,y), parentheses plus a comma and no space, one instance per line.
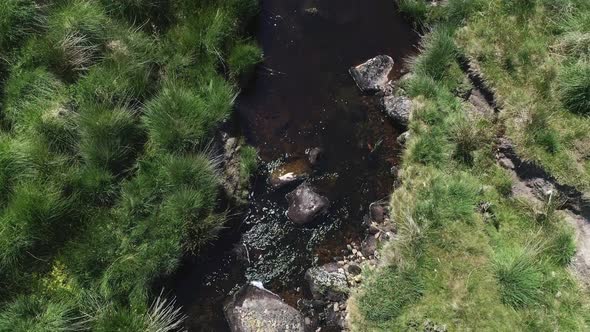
(373,75)
(254,308)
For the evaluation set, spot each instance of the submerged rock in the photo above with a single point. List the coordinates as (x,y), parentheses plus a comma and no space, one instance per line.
(297,170)
(327,282)
(254,308)
(373,75)
(398,108)
(305,204)
(314,154)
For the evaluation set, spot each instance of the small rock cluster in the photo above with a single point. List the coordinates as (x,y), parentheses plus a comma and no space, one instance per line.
(372,77)
(330,284)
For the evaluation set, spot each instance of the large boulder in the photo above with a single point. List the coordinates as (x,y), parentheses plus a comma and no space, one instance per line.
(305,204)
(373,75)
(255,309)
(290,172)
(327,282)
(398,108)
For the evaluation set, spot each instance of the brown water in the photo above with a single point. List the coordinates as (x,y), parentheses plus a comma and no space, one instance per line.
(303,97)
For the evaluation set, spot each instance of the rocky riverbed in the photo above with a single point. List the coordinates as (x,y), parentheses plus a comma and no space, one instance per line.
(328,151)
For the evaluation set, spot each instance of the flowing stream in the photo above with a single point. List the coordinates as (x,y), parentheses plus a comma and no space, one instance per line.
(303,97)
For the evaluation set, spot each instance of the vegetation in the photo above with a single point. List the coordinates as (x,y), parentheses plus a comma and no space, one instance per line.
(455,265)
(106,179)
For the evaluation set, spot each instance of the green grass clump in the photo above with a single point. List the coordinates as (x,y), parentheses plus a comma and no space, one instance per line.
(401,289)
(575,88)
(243,59)
(109,138)
(179,119)
(29,222)
(36,314)
(248,161)
(438,55)
(18,19)
(519,277)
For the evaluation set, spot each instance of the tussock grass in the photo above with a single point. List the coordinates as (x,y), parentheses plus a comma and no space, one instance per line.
(575,88)
(109,138)
(35,314)
(179,119)
(519,276)
(28,223)
(18,19)
(243,59)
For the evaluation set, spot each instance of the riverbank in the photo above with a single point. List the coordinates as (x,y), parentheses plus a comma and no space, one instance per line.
(110,171)
(486,239)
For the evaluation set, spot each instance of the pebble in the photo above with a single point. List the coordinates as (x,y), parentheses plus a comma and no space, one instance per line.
(341,262)
(358,278)
(336,307)
(354,251)
(349,247)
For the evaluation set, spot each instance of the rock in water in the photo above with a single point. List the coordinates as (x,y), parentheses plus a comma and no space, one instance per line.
(398,108)
(305,204)
(254,309)
(314,154)
(290,172)
(373,75)
(327,282)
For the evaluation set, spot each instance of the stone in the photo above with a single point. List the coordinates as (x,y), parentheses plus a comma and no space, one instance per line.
(403,138)
(354,269)
(373,75)
(506,163)
(327,282)
(373,229)
(398,108)
(254,308)
(313,155)
(291,172)
(369,246)
(305,204)
(377,213)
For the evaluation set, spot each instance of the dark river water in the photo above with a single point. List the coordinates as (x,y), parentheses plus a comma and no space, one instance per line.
(303,97)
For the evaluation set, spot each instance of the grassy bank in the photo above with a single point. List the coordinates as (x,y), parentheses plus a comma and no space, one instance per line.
(469,255)
(107,109)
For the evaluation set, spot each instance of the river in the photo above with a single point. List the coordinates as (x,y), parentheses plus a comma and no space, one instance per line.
(303,97)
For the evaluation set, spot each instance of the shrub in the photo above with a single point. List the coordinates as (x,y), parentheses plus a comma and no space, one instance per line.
(574,83)
(109,138)
(18,19)
(519,277)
